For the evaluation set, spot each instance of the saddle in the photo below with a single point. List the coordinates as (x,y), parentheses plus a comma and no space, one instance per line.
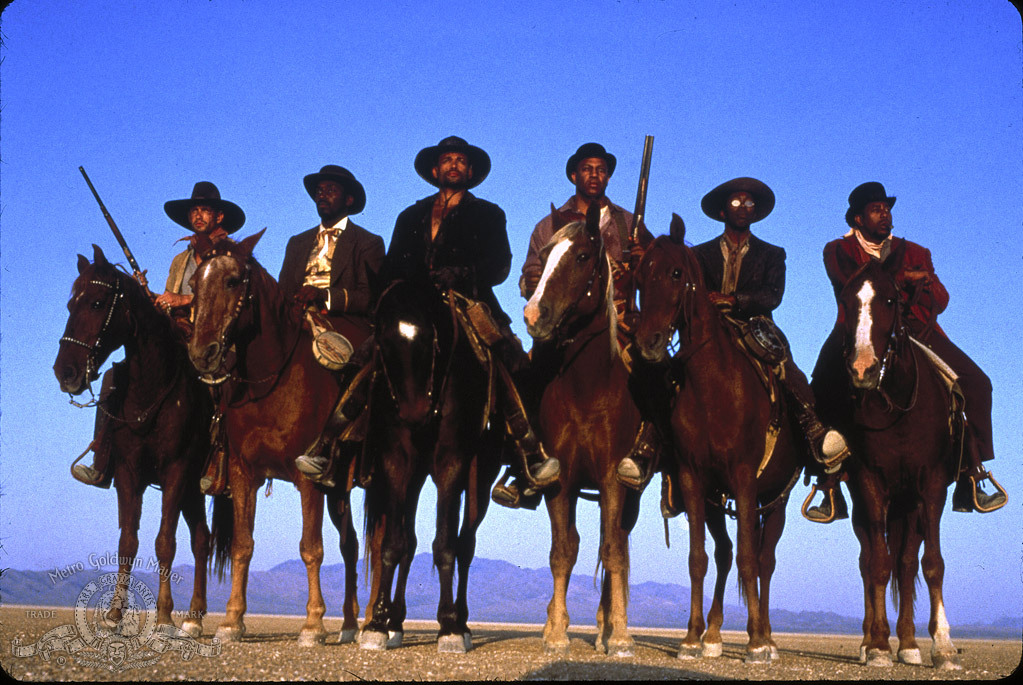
(956,401)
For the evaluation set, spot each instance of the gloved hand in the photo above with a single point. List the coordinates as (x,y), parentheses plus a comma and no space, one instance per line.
(311,295)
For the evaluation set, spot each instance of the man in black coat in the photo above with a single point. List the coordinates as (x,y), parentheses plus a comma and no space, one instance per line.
(745,277)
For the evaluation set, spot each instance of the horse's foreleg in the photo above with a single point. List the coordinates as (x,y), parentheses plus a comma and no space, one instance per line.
(396,624)
(166,547)
(243,496)
(448,502)
(564,551)
(773,525)
(712,646)
(904,538)
(692,646)
(747,559)
(311,548)
(943,652)
(869,517)
(129,510)
(614,554)
(200,539)
(339,507)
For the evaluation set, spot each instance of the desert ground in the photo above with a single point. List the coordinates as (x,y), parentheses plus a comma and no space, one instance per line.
(501,652)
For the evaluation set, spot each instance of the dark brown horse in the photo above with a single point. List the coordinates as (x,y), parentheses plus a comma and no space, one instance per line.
(904,459)
(275,399)
(159,430)
(723,426)
(428,416)
(588,421)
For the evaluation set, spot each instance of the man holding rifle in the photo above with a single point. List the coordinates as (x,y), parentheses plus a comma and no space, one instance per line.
(203,213)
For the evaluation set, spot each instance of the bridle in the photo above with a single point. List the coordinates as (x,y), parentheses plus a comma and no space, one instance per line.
(232,319)
(563,331)
(91,367)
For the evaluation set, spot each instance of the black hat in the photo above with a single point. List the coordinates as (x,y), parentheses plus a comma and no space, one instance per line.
(205,193)
(862,195)
(714,201)
(427,158)
(587,150)
(344,178)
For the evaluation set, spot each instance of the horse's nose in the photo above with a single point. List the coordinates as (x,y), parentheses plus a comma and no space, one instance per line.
(652,346)
(864,368)
(536,312)
(209,358)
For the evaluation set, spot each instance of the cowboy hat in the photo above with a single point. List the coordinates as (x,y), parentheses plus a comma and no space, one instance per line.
(862,195)
(342,177)
(714,201)
(205,193)
(587,150)
(427,159)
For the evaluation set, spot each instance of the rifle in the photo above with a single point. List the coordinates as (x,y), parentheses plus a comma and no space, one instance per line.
(117,234)
(637,215)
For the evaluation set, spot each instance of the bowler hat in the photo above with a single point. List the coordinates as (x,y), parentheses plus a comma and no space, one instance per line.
(714,201)
(344,178)
(862,195)
(587,150)
(428,157)
(205,193)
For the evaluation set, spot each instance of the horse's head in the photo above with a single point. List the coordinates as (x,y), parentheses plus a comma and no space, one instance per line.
(98,322)
(413,332)
(872,320)
(576,277)
(667,279)
(220,289)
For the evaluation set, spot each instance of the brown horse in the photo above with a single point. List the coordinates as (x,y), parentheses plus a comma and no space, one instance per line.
(275,399)
(428,416)
(904,459)
(721,421)
(159,430)
(588,421)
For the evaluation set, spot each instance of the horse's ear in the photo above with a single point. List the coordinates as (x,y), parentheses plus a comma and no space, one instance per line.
(249,244)
(677,230)
(558,219)
(98,257)
(83,263)
(593,221)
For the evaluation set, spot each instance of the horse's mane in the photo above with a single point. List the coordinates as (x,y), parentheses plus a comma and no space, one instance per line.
(271,299)
(140,307)
(570,231)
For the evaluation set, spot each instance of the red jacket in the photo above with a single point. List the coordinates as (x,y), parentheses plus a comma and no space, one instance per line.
(844,256)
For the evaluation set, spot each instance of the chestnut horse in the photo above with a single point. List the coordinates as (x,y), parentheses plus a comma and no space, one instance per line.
(904,459)
(588,421)
(428,413)
(275,399)
(720,424)
(159,431)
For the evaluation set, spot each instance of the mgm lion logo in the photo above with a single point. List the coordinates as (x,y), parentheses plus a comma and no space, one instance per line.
(115,630)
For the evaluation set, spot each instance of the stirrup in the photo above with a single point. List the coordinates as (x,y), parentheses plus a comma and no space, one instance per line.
(101,482)
(509,495)
(999,490)
(829,498)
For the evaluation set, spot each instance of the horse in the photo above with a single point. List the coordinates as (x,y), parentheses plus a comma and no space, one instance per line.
(588,421)
(158,433)
(904,458)
(275,398)
(722,429)
(429,405)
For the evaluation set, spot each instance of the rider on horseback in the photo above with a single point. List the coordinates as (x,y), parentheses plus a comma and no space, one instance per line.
(204,213)
(462,242)
(922,297)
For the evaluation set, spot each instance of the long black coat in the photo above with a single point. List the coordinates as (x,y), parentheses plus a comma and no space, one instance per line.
(761,282)
(472,245)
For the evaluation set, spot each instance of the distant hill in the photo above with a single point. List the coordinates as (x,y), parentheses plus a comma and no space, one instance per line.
(498,592)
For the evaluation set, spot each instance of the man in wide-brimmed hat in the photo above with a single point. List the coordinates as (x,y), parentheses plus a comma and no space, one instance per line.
(923,297)
(745,278)
(204,213)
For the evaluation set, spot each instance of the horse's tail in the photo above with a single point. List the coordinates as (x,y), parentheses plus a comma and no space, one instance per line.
(221,534)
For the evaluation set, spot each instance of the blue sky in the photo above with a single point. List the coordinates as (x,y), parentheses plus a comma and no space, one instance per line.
(812,98)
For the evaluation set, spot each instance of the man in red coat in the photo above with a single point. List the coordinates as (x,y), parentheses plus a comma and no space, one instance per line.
(923,298)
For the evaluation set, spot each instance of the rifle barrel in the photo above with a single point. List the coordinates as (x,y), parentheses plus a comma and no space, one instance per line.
(113,227)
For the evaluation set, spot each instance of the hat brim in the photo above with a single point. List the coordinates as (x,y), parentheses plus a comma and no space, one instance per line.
(427,158)
(573,163)
(351,186)
(177,210)
(714,201)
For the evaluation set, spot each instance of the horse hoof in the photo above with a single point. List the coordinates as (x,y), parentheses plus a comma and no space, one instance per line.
(946,662)
(878,658)
(311,638)
(229,634)
(395,638)
(774,653)
(192,628)
(760,655)
(373,640)
(686,652)
(712,649)
(910,656)
(599,646)
(556,648)
(622,650)
(347,636)
(108,623)
(454,644)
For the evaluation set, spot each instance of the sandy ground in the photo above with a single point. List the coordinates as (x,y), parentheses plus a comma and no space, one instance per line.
(269,651)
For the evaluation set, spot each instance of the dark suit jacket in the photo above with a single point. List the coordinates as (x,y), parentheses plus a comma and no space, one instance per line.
(473,239)
(761,282)
(356,253)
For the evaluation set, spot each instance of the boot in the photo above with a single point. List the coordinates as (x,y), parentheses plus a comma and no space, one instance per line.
(671,499)
(518,494)
(317,464)
(827,446)
(542,470)
(834,506)
(969,494)
(635,470)
(91,475)
(214,479)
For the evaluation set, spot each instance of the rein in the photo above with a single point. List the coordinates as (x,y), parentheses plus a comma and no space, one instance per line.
(91,368)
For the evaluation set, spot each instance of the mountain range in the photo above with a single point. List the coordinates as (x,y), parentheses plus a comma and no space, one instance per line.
(498,592)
